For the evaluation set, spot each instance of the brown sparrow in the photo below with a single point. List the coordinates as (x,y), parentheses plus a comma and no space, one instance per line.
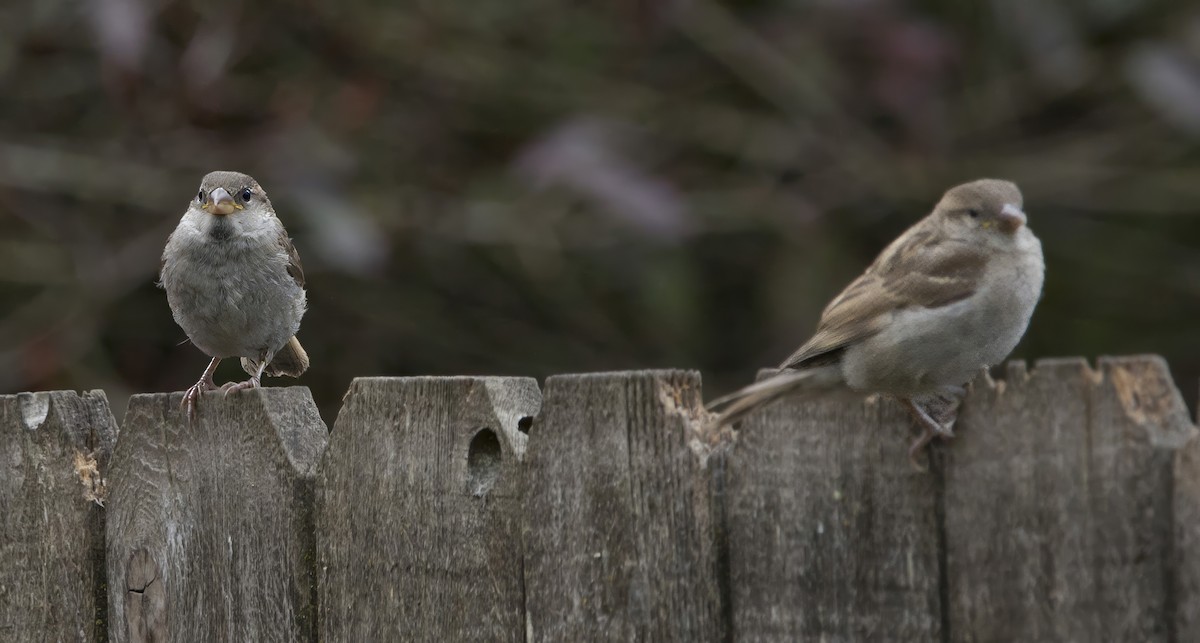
(950,296)
(234,283)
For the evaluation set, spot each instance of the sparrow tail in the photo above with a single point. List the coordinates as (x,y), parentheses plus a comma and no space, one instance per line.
(291,360)
(737,405)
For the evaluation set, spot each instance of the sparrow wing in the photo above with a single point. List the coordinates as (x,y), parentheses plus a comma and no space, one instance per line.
(291,359)
(919,270)
(295,269)
(162,262)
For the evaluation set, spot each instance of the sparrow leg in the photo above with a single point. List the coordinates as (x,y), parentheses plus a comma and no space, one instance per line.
(253,382)
(926,421)
(929,429)
(192,396)
(917,446)
(958,393)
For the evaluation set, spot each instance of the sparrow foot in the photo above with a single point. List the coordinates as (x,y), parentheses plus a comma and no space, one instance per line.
(191,397)
(930,428)
(240,386)
(918,445)
(923,418)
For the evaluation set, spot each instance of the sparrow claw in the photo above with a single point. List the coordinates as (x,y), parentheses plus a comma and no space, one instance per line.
(231,387)
(918,445)
(191,397)
(925,420)
(188,403)
(930,428)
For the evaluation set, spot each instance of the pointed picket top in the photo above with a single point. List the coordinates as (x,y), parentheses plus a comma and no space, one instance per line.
(419,500)
(54,455)
(209,531)
(1057,501)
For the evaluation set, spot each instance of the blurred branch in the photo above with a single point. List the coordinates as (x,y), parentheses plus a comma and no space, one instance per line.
(51,168)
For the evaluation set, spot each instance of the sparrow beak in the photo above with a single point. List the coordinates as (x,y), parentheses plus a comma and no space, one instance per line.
(1011,218)
(220,203)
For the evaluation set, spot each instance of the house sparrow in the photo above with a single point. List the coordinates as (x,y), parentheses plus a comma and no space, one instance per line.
(950,296)
(234,283)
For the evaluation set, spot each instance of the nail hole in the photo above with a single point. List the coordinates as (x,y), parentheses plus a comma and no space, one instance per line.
(524,424)
(483,462)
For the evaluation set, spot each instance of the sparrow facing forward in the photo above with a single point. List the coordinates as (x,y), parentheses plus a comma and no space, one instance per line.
(235,284)
(950,296)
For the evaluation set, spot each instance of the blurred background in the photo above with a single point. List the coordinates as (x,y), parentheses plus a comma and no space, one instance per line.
(530,188)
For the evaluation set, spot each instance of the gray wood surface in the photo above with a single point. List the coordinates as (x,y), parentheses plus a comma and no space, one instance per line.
(420,496)
(1058,504)
(1184,591)
(618,529)
(54,453)
(831,533)
(466,508)
(210,525)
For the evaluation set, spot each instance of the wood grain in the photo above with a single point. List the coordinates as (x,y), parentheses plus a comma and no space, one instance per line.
(831,534)
(1058,504)
(1184,591)
(619,526)
(210,527)
(420,496)
(466,508)
(54,454)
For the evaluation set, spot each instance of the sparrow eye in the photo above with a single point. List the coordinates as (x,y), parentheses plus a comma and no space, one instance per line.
(200,196)
(246,194)
(974,213)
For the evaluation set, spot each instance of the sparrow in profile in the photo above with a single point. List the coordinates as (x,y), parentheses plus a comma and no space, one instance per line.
(950,296)
(235,284)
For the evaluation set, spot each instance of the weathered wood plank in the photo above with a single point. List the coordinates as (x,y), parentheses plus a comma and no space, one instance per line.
(419,496)
(210,525)
(54,453)
(1185,585)
(1058,504)
(618,527)
(832,535)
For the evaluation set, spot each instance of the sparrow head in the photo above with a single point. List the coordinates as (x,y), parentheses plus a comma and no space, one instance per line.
(989,204)
(224,193)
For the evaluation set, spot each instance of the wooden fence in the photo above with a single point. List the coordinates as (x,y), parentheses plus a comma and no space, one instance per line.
(483,508)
